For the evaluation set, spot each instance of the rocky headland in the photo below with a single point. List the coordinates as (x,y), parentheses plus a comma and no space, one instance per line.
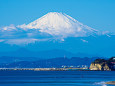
(103,65)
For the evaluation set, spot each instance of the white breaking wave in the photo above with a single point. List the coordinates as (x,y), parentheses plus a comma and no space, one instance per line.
(100,83)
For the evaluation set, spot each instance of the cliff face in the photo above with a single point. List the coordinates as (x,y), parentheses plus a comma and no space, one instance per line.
(97,66)
(102,64)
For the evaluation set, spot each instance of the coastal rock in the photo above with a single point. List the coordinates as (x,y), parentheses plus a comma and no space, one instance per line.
(111,82)
(104,65)
(97,66)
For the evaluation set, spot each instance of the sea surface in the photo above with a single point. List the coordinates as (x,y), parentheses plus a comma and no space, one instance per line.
(56,78)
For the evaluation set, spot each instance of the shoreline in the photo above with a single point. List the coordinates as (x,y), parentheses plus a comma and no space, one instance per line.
(49,69)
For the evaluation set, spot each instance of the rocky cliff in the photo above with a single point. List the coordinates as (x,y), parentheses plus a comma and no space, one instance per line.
(97,66)
(102,64)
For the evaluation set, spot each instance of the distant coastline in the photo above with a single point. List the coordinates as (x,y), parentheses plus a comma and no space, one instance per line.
(46,69)
(96,65)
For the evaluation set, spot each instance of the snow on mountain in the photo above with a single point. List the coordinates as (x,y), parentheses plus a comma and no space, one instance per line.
(60,24)
(52,26)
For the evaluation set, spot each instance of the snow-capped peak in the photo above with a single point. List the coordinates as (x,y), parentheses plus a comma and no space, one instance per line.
(59,24)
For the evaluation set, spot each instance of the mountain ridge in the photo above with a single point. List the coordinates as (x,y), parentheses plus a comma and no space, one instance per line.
(22,52)
(50,63)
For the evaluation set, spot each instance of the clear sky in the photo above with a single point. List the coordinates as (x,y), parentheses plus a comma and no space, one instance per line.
(98,14)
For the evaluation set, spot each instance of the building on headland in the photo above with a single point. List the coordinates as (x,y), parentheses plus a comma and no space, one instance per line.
(79,67)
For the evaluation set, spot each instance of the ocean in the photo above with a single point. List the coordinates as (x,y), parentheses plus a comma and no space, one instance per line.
(56,78)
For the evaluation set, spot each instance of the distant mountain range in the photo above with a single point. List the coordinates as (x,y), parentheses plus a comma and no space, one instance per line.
(25,55)
(91,46)
(22,52)
(48,63)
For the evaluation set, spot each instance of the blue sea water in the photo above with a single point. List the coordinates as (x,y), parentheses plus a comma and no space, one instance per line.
(56,78)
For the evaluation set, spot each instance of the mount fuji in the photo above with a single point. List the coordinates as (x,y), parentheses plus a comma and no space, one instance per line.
(57,31)
(52,26)
(61,25)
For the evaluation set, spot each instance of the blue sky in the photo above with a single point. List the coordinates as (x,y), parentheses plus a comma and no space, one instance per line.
(98,14)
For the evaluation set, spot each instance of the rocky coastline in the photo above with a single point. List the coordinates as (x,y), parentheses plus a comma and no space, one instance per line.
(103,65)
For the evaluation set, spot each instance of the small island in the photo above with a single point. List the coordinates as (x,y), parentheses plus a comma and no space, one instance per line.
(103,65)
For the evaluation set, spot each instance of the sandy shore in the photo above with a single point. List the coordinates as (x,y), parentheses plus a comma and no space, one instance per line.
(111,82)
